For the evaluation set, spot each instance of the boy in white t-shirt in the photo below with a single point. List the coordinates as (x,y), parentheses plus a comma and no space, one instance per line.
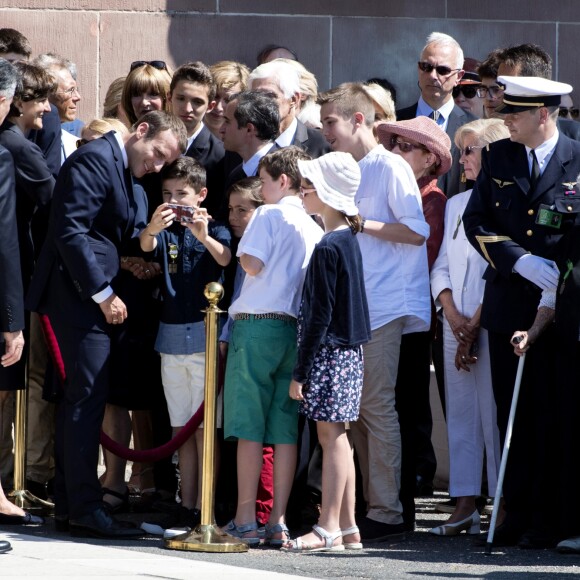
(397,286)
(274,252)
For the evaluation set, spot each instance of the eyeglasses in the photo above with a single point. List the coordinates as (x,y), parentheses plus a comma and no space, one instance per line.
(158,64)
(468,91)
(441,70)
(571,111)
(69,92)
(81,142)
(305,190)
(493,92)
(405,146)
(467,151)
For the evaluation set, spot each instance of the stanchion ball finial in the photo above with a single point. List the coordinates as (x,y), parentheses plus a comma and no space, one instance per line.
(213,292)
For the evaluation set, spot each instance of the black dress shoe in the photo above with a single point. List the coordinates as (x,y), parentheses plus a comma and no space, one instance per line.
(535,540)
(26,520)
(37,489)
(61,523)
(99,524)
(373,531)
(5,546)
(423,487)
(505,535)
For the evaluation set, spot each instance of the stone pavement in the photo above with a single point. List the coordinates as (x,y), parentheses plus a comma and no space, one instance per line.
(44,553)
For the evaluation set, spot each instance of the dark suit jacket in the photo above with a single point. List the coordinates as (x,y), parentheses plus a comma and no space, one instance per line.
(450,183)
(11,294)
(311,140)
(34,185)
(210,152)
(49,140)
(238,172)
(91,225)
(500,222)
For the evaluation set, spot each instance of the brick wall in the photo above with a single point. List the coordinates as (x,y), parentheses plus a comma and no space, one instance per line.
(338,40)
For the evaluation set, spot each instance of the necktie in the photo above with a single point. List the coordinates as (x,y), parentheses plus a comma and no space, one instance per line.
(535,173)
(435,116)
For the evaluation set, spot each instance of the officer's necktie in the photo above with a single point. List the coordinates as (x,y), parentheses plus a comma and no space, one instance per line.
(535,173)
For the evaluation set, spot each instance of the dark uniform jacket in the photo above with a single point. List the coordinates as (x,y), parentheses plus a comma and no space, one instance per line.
(500,222)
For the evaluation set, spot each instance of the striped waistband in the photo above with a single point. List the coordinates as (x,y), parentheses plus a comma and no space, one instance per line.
(267,315)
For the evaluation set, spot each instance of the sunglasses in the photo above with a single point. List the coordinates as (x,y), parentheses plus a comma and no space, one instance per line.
(572,111)
(467,151)
(441,70)
(493,92)
(405,146)
(468,91)
(158,64)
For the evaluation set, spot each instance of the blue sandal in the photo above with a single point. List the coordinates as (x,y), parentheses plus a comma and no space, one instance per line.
(272,529)
(239,531)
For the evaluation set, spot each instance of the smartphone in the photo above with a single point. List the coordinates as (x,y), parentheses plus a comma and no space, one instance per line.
(183,213)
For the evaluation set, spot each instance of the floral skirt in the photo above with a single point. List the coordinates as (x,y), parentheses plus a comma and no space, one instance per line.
(334,386)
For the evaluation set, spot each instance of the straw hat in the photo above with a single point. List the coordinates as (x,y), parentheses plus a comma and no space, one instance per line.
(336,177)
(424,131)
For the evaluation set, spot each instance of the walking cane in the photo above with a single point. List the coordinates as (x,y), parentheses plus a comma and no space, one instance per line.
(506,448)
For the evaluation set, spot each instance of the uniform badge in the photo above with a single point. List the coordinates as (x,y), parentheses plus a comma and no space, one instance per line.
(173,253)
(501,184)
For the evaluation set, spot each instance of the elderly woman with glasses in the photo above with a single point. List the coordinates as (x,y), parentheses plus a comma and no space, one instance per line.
(146,88)
(426,148)
(457,284)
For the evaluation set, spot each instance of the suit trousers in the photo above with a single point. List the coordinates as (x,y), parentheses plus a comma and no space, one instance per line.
(376,434)
(471,419)
(85,353)
(414,410)
(41,413)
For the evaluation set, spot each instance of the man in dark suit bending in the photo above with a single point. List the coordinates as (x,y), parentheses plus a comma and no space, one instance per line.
(95,214)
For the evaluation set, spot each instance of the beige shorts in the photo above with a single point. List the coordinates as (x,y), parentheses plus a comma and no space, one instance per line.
(183,377)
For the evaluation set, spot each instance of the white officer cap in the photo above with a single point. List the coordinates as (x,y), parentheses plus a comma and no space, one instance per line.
(525,93)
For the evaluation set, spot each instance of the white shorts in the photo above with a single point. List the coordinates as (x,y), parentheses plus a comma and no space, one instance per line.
(183,377)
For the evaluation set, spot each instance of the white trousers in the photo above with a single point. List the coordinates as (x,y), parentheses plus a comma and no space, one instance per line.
(471,419)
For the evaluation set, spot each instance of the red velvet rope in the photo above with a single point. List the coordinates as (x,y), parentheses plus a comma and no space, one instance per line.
(124,452)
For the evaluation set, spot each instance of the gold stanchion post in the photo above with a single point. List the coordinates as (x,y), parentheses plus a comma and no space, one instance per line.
(21,496)
(208,537)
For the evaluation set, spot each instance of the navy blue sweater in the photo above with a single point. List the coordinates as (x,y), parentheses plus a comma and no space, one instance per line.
(334,307)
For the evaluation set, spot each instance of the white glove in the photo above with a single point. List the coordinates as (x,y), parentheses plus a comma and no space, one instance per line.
(543,273)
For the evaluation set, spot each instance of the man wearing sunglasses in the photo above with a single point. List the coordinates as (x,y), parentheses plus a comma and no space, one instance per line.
(465,94)
(440,70)
(525,198)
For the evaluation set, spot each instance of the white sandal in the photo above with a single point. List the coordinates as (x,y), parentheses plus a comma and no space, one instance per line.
(298,546)
(351,545)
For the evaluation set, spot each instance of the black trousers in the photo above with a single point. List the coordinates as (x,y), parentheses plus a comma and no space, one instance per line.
(531,483)
(415,420)
(79,418)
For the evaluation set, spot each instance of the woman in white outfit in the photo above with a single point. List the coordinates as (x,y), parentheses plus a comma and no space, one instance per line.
(457,285)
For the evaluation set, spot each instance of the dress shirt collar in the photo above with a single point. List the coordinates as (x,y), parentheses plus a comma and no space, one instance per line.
(543,152)
(119,139)
(250,166)
(191,139)
(423,109)
(285,139)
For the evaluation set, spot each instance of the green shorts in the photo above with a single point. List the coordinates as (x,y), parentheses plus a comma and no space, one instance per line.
(257,406)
